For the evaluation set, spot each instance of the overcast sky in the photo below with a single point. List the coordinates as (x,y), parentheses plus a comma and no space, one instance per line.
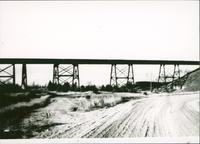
(114,29)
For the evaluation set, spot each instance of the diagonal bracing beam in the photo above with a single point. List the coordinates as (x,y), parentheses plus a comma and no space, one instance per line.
(120,76)
(173,79)
(162,74)
(7,74)
(66,74)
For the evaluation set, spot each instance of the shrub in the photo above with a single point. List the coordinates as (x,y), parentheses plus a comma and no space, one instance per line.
(88,97)
(108,88)
(10,88)
(145,93)
(129,87)
(74,108)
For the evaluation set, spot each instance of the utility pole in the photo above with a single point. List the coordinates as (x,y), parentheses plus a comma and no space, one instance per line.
(151,82)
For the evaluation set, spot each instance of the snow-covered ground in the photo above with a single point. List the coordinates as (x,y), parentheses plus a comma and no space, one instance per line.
(159,115)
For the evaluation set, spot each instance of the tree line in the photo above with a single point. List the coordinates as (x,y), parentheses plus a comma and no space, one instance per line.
(128,87)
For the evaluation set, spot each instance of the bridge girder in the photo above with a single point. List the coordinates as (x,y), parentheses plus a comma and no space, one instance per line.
(94,61)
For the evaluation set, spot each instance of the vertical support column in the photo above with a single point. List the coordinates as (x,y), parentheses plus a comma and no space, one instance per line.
(176,76)
(75,79)
(7,74)
(55,74)
(24,77)
(111,72)
(13,74)
(115,68)
(130,77)
(124,75)
(113,75)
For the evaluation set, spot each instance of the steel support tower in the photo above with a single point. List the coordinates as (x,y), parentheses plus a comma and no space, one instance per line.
(66,74)
(176,76)
(169,78)
(7,74)
(162,74)
(121,75)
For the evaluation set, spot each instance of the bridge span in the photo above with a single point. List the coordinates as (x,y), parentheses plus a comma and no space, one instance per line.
(70,73)
(94,61)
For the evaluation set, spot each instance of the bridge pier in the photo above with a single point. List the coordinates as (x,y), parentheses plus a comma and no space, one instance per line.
(24,77)
(169,78)
(7,74)
(120,76)
(176,75)
(66,74)
(162,74)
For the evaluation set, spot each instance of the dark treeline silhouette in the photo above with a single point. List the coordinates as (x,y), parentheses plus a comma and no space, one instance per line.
(129,87)
(10,88)
(11,94)
(147,85)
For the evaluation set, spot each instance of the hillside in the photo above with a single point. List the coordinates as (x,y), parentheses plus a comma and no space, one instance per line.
(192,82)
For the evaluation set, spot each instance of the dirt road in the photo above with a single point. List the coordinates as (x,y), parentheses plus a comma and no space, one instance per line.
(158,116)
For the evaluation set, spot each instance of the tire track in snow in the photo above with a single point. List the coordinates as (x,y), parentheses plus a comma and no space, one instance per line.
(149,117)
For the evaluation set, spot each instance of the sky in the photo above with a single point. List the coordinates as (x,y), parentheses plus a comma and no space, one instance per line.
(167,30)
